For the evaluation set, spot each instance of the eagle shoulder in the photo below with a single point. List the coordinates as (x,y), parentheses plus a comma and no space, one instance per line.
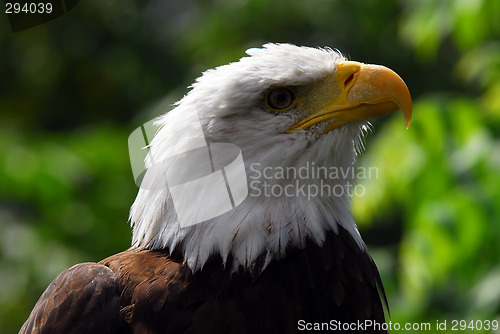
(82,299)
(153,291)
(152,285)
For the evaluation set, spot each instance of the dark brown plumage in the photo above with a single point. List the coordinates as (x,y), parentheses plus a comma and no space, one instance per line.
(146,291)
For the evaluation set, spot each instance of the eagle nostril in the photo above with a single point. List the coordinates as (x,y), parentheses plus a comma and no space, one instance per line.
(348,80)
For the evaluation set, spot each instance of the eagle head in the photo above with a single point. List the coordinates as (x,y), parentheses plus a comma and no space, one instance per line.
(298,116)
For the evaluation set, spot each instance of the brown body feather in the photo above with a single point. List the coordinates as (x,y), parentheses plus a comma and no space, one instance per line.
(150,291)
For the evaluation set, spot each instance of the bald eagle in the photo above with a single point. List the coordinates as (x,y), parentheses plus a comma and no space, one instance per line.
(283,260)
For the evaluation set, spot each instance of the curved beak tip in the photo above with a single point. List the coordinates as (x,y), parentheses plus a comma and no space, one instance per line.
(407,122)
(407,113)
(406,107)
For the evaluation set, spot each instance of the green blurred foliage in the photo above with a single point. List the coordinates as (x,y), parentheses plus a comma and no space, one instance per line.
(73,89)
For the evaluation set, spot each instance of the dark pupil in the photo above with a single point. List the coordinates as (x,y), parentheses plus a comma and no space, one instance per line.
(280,99)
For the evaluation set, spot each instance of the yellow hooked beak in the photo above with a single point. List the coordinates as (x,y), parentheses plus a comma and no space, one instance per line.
(362,92)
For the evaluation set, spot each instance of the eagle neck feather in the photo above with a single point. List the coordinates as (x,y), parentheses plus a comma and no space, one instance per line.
(262,228)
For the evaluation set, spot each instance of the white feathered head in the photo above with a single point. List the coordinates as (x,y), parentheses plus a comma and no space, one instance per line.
(298,115)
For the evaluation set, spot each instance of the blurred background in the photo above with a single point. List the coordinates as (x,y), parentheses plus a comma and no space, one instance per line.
(73,89)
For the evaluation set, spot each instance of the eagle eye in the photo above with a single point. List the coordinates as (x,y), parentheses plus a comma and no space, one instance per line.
(279,99)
